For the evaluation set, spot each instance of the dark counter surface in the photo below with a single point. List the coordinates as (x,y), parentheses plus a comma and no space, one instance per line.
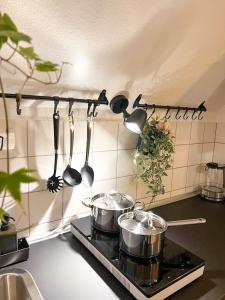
(64,270)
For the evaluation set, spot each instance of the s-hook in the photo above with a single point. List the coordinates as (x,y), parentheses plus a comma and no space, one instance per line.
(199,115)
(2,142)
(93,113)
(185,116)
(167,115)
(56,103)
(194,117)
(153,111)
(201,108)
(70,107)
(18,101)
(177,117)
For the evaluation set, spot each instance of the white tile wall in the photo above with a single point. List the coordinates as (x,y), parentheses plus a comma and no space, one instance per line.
(179,178)
(125,165)
(19,128)
(183,133)
(197,132)
(105,136)
(180,158)
(45,207)
(195,154)
(111,157)
(207,152)
(104,164)
(209,133)
(220,133)
(40,138)
(219,153)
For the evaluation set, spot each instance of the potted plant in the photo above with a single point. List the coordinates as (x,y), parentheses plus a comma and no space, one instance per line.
(153,155)
(17,44)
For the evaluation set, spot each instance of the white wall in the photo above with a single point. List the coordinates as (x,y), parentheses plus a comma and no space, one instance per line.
(172,51)
(111,158)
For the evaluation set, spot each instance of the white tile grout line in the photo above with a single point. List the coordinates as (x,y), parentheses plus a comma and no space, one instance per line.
(175,134)
(117,154)
(215,142)
(28,194)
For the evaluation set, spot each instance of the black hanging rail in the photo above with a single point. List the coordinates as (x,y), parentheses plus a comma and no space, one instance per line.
(200,109)
(102,100)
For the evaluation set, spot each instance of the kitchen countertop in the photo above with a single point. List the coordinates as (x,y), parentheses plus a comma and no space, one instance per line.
(64,270)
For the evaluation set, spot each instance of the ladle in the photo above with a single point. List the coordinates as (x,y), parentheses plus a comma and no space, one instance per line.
(71,176)
(87,172)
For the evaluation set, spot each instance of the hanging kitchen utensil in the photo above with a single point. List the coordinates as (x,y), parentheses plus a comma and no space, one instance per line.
(142,233)
(87,172)
(107,207)
(54,183)
(71,176)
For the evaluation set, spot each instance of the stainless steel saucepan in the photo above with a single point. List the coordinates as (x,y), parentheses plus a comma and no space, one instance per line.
(107,207)
(142,233)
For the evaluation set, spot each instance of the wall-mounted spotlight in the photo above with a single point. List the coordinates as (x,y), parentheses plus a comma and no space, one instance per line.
(134,121)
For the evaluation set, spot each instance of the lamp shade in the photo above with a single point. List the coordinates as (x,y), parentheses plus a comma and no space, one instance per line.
(136,121)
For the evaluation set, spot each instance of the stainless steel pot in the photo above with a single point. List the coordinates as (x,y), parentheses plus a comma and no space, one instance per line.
(142,233)
(107,207)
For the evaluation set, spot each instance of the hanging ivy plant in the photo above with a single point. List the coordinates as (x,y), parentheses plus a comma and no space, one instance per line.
(153,155)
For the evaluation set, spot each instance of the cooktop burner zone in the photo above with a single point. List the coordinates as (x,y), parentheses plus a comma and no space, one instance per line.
(155,278)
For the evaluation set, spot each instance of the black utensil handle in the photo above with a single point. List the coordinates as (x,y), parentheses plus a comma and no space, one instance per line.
(88,140)
(55,163)
(56,119)
(71,138)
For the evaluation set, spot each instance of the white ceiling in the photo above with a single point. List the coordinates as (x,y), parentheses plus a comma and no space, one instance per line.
(172,51)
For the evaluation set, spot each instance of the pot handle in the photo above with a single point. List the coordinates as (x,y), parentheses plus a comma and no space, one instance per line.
(87,202)
(139,205)
(186,222)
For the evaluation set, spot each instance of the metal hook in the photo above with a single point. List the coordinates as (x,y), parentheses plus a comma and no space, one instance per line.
(2,142)
(94,112)
(199,115)
(56,103)
(152,112)
(185,116)
(201,109)
(70,107)
(167,116)
(177,117)
(18,101)
(88,110)
(193,115)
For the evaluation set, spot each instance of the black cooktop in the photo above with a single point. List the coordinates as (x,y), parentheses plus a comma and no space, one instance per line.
(150,276)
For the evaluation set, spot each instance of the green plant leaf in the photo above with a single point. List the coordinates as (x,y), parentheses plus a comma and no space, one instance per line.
(6,23)
(11,183)
(23,175)
(3,40)
(46,66)
(2,213)
(29,53)
(15,36)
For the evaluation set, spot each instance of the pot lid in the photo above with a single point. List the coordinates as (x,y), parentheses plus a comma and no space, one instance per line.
(142,223)
(113,201)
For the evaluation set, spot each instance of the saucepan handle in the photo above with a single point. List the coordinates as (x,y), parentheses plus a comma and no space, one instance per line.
(186,222)
(87,202)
